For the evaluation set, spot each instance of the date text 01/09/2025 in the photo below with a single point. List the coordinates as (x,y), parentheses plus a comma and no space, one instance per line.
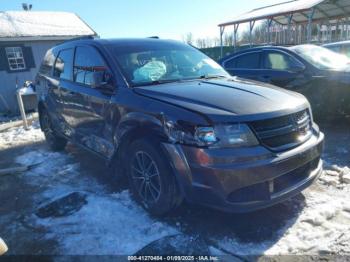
(173,258)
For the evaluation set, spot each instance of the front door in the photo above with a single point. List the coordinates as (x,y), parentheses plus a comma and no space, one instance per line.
(90,117)
(281,69)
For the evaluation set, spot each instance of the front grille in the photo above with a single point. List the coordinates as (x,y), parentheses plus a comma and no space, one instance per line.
(264,191)
(283,132)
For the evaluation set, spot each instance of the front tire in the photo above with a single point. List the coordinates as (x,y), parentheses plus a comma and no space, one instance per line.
(152,182)
(56,143)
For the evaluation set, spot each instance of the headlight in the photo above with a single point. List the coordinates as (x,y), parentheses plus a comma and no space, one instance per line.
(220,136)
(235,136)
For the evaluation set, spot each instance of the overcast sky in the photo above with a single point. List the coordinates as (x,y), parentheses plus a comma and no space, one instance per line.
(140,18)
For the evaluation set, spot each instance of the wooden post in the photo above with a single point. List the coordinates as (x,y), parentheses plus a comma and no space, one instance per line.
(21,108)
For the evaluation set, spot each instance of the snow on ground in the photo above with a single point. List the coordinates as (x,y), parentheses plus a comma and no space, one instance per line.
(112,223)
(19,136)
(108,224)
(323,226)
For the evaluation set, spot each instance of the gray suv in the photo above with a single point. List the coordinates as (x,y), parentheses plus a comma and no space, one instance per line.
(177,125)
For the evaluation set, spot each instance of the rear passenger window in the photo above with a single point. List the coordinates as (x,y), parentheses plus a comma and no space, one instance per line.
(346,51)
(63,65)
(47,64)
(87,60)
(246,61)
(335,48)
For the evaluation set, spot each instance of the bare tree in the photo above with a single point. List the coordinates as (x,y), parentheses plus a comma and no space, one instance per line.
(188,38)
(228,40)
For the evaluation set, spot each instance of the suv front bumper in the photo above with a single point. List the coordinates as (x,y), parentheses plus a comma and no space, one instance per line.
(245,179)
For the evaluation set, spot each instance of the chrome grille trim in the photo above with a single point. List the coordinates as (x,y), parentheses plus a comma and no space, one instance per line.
(282,133)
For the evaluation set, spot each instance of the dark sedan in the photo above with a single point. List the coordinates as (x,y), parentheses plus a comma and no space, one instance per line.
(321,75)
(342,47)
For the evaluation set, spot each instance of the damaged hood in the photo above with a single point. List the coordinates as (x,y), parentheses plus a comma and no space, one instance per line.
(223,98)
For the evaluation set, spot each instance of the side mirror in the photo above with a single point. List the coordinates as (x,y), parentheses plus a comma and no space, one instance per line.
(102,80)
(297,68)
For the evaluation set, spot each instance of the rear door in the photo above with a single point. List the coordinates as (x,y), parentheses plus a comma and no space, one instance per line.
(62,80)
(281,69)
(247,65)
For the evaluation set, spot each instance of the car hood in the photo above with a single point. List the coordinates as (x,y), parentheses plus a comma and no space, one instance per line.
(228,99)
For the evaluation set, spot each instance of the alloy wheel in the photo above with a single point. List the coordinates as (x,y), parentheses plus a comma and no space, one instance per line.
(146,177)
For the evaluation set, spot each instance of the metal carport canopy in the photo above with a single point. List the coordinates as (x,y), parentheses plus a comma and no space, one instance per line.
(323,9)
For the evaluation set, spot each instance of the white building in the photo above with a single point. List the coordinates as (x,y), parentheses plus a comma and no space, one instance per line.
(25,36)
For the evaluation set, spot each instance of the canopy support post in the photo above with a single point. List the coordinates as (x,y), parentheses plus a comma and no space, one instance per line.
(336,33)
(290,17)
(309,24)
(222,29)
(251,26)
(235,30)
(269,22)
(342,30)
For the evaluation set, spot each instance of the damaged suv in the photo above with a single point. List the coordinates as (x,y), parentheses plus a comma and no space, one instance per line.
(178,125)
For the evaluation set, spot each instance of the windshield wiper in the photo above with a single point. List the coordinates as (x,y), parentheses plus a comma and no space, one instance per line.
(156,82)
(211,76)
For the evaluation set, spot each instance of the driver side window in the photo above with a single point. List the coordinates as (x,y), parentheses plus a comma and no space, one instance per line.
(87,61)
(279,61)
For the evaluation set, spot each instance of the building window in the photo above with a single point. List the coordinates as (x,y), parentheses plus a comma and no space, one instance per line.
(15,58)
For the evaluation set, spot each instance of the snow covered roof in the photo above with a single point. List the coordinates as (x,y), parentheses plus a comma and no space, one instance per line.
(324,9)
(37,25)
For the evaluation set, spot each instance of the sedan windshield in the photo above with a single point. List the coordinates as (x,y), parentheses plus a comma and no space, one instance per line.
(321,57)
(165,62)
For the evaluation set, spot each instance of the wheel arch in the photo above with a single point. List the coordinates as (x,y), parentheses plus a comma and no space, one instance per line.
(137,126)
(134,126)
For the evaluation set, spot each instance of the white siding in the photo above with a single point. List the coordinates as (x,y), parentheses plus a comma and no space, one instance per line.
(8,80)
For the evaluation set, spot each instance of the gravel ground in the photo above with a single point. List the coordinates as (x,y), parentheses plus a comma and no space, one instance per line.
(97,216)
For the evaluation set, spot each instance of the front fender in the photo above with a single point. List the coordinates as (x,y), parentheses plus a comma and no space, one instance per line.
(138,123)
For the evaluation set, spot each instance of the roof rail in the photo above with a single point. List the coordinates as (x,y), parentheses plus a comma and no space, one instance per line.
(85,37)
(155,37)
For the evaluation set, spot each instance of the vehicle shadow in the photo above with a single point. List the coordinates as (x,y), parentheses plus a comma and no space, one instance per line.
(262,226)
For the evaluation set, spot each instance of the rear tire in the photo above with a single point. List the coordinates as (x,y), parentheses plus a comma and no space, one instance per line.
(151,180)
(56,142)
